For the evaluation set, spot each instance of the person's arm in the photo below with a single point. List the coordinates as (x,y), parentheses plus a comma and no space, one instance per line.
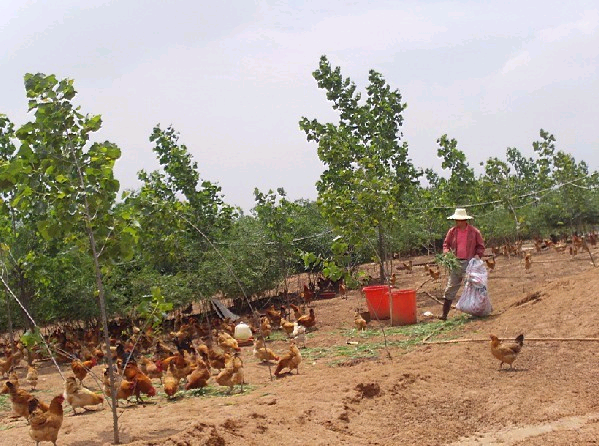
(447,241)
(480,245)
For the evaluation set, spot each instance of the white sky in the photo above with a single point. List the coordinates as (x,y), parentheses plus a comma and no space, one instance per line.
(234,77)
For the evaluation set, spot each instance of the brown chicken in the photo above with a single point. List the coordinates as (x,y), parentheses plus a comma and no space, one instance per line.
(273,316)
(232,374)
(20,399)
(143,384)
(125,391)
(506,352)
(227,342)
(296,311)
(359,321)
(6,364)
(152,369)
(182,367)
(490,263)
(32,376)
(13,378)
(79,397)
(393,279)
(170,382)
(435,274)
(263,353)
(80,369)
(307,321)
(161,351)
(291,360)
(216,356)
(198,379)
(527,262)
(308,294)
(265,327)
(343,290)
(45,424)
(287,326)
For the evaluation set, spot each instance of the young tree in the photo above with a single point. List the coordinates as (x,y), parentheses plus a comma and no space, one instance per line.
(181,217)
(367,169)
(460,187)
(68,184)
(275,214)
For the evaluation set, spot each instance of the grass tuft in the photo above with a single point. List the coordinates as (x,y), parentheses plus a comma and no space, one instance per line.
(208,392)
(4,403)
(371,341)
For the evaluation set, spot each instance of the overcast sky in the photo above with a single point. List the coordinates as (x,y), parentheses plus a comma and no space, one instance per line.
(235,77)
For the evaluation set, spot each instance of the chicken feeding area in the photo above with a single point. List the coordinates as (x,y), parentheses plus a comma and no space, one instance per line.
(353,378)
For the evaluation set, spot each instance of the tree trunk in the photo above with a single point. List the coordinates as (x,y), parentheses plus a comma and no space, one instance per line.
(25,296)
(102,303)
(381,254)
(10,329)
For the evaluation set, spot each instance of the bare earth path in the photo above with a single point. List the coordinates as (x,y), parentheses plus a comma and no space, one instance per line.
(422,394)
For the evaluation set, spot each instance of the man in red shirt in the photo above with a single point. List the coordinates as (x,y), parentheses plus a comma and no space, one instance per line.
(465,241)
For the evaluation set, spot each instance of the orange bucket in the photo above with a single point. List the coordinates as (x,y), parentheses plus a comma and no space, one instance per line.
(404,307)
(377,300)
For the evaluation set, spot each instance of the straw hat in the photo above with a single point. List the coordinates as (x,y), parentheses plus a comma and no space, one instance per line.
(459,214)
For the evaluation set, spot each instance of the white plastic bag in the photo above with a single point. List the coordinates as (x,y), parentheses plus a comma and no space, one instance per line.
(475,298)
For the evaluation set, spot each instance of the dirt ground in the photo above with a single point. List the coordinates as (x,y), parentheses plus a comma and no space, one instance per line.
(413,393)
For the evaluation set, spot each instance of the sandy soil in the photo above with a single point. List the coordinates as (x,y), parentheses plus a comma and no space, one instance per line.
(413,393)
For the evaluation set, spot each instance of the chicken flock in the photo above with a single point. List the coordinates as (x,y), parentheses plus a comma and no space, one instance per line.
(191,357)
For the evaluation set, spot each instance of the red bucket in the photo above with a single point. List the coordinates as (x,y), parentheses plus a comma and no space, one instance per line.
(404,307)
(404,304)
(377,300)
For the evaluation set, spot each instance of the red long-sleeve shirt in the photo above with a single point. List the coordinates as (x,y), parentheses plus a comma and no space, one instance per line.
(474,246)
